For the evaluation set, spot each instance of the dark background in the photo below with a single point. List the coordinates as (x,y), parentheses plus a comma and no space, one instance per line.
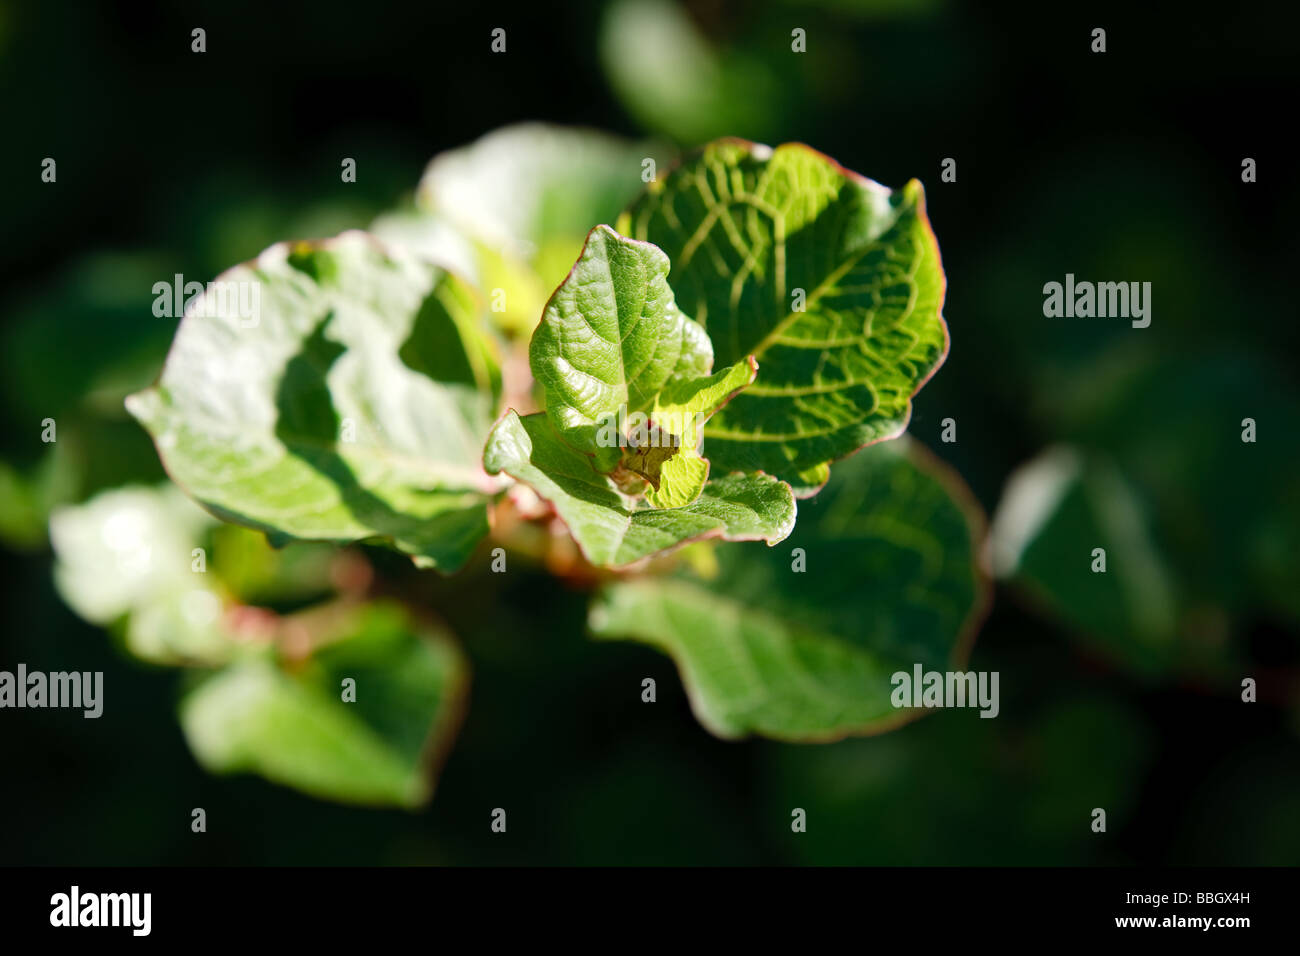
(1117,166)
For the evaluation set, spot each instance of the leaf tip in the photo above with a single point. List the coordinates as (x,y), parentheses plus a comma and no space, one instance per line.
(143,404)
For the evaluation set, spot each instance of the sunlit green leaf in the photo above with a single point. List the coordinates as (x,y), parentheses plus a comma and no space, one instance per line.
(613,528)
(609,341)
(831,281)
(800,643)
(681,409)
(336,391)
(510,211)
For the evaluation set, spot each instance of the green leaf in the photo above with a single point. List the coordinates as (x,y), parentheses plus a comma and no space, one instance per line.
(340,393)
(1055,511)
(511,210)
(830,280)
(668,75)
(609,341)
(612,346)
(294,728)
(1173,426)
(128,553)
(612,528)
(151,557)
(1199,523)
(523,186)
(255,573)
(892,580)
(27,498)
(681,409)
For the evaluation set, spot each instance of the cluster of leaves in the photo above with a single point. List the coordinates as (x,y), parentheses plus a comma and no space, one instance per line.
(263,688)
(759,313)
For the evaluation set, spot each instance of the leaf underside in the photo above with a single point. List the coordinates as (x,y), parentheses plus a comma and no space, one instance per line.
(351,407)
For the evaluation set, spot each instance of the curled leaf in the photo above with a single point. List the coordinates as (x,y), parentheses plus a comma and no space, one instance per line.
(333,391)
(614,529)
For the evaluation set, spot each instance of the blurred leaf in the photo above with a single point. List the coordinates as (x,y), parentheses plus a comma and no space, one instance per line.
(1055,511)
(351,407)
(123,548)
(673,81)
(611,529)
(256,573)
(768,650)
(1200,527)
(22,525)
(184,626)
(130,552)
(830,280)
(27,500)
(431,238)
(1174,425)
(294,728)
(523,185)
(510,211)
